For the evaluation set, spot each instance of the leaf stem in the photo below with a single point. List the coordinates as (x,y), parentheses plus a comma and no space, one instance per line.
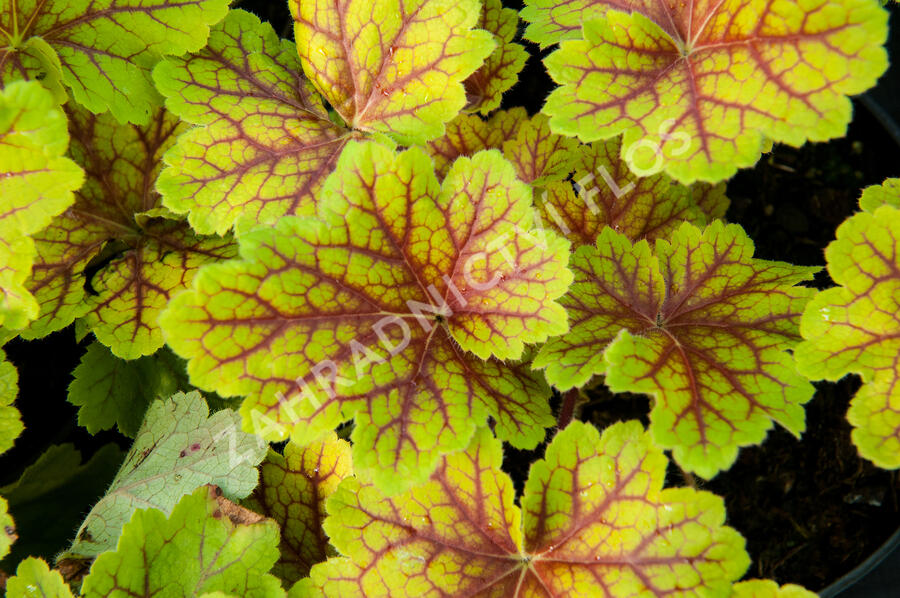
(567,409)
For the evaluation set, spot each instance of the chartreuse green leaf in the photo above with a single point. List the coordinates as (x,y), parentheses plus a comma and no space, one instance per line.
(59,483)
(36,185)
(404,308)
(855,327)
(485,87)
(143,255)
(766,588)
(390,66)
(264,145)
(10,420)
(103,50)
(110,391)
(34,578)
(594,521)
(608,194)
(293,489)
(178,448)
(698,89)
(699,324)
(874,196)
(207,545)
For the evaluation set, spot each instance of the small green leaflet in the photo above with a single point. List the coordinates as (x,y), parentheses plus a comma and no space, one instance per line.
(140,253)
(387,311)
(699,324)
(292,490)
(855,327)
(698,89)
(59,483)
(485,87)
(207,545)
(36,185)
(103,50)
(766,588)
(176,450)
(34,578)
(874,196)
(113,392)
(594,521)
(608,194)
(10,420)
(391,66)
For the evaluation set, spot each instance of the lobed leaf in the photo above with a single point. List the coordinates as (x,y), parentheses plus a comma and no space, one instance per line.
(34,578)
(293,489)
(485,87)
(698,89)
(594,521)
(855,327)
(36,186)
(608,194)
(113,392)
(142,255)
(701,325)
(103,50)
(178,448)
(385,311)
(206,546)
(766,588)
(388,66)
(264,144)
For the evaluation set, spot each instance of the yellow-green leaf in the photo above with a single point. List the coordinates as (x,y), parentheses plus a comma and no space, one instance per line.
(34,578)
(699,324)
(387,311)
(103,50)
(855,327)
(699,88)
(594,521)
(392,66)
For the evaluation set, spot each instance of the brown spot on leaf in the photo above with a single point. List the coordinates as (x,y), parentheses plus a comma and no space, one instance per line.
(237,514)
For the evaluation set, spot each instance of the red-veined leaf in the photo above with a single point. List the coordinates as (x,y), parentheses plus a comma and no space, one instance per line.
(103,50)
(855,327)
(699,324)
(595,521)
(699,88)
(385,311)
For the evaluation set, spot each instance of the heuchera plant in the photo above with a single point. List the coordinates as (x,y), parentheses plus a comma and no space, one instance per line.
(339,242)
